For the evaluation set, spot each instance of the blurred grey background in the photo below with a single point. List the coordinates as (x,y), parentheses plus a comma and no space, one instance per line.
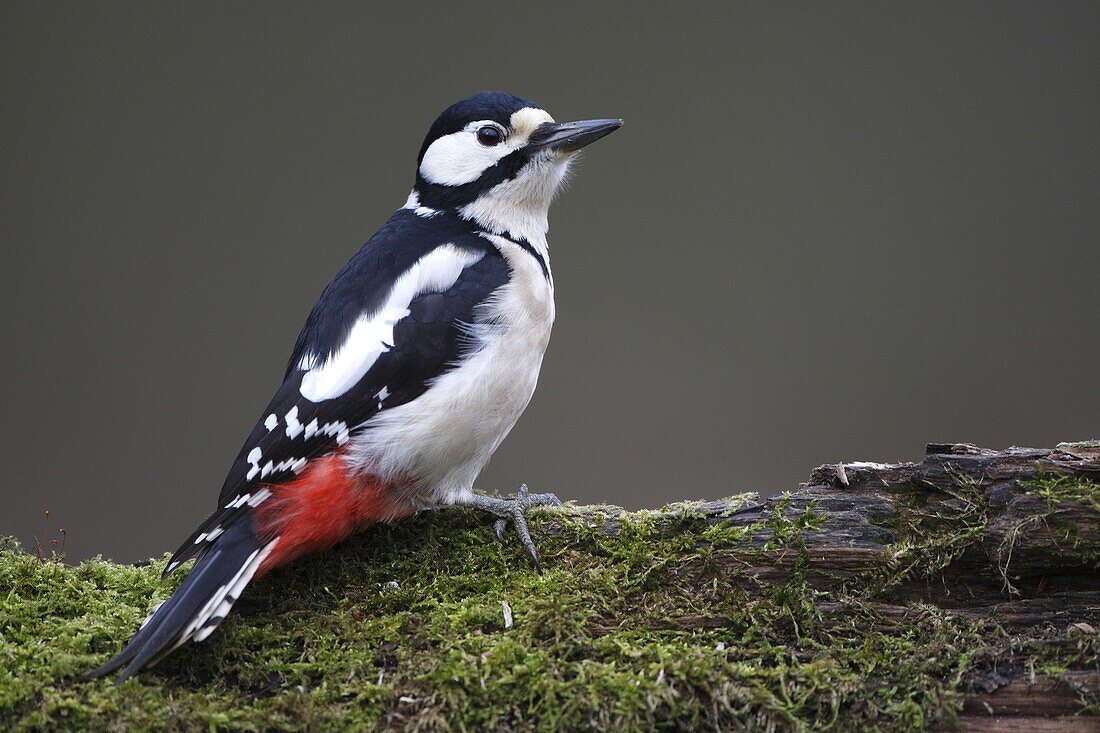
(826,232)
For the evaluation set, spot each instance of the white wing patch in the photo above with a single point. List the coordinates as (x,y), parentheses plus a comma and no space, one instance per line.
(209,536)
(254,457)
(372,334)
(290,464)
(253,500)
(293,426)
(259,498)
(238,501)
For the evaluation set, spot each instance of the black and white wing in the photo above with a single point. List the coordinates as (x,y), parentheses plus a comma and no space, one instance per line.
(394,319)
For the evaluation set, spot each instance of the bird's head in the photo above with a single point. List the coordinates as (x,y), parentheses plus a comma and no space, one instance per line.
(498,159)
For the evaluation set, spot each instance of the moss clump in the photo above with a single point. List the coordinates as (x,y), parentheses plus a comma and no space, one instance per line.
(1072,503)
(634,626)
(934,525)
(1059,489)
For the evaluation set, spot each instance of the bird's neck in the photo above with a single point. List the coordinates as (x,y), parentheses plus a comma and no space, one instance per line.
(502,212)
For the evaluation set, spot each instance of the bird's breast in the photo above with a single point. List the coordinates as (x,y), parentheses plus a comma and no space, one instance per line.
(445,437)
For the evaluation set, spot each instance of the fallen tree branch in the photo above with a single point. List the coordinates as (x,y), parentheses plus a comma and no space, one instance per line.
(960,591)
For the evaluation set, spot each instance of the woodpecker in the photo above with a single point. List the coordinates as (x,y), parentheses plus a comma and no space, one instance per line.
(412,367)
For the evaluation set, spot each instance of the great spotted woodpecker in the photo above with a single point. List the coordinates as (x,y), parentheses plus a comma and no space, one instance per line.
(413,366)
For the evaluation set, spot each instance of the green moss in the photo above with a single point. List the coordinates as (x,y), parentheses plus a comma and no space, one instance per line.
(634,625)
(1078,536)
(1059,489)
(934,526)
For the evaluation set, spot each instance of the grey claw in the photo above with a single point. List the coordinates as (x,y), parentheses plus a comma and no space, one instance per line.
(544,500)
(524,533)
(514,509)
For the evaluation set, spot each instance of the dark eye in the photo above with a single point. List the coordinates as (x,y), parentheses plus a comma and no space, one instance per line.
(490,136)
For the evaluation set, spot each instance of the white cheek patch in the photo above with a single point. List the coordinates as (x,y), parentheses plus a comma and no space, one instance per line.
(372,334)
(459,158)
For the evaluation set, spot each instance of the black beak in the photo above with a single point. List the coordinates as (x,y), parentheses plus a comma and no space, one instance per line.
(570,136)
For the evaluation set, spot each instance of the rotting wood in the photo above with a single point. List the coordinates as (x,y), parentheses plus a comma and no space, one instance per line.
(1024,562)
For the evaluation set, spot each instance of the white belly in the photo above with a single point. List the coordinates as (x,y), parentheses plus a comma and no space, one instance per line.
(441,441)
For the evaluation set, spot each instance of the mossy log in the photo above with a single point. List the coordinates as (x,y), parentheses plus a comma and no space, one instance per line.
(961,592)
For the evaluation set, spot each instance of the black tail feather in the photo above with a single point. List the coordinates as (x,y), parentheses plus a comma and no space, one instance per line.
(197,606)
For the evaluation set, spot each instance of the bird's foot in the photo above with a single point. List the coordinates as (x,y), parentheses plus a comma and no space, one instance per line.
(515,509)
